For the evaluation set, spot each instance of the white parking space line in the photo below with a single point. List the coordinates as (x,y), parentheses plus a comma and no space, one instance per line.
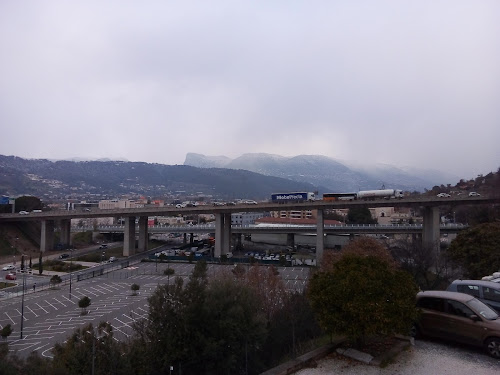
(59,302)
(117,329)
(34,313)
(42,308)
(69,300)
(51,305)
(89,292)
(12,320)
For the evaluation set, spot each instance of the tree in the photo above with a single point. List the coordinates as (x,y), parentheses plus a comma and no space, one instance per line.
(55,280)
(360,215)
(90,344)
(135,288)
(429,268)
(362,294)
(475,250)
(83,303)
(6,331)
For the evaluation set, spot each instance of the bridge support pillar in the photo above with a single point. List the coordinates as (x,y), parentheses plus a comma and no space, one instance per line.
(290,240)
(129,236)
(431,233)
(143,234)
(65,239)
(47,237)
(227,234)
(320,237)
(222,234)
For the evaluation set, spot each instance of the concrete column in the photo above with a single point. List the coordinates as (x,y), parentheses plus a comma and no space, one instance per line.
(320,237)
(65,232)
(290,240)
(431,233)
(47,238)
(143,234)
(129,237)
(218,235)
(226,241)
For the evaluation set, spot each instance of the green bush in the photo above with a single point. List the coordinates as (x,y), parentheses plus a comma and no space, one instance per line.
(169,271)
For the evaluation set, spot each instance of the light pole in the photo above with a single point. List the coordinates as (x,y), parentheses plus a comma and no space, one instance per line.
(70,272)
(22,304)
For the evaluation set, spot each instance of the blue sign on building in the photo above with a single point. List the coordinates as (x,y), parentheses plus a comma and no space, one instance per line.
(4,200)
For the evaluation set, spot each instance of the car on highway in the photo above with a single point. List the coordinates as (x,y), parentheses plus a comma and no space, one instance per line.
(23,213)
(443,195)
(458,317)
(9,267)
(63,256)
(103,246)
(249,201)
(11,276)
(474,194)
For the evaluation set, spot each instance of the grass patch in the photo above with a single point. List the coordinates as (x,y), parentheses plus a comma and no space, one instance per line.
(5,284)
(60,266)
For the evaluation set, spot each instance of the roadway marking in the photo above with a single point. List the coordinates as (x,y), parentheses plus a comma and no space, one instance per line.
(55,308)
(36,315)
(69,300)
(59,302)
(42,308)
(12,320)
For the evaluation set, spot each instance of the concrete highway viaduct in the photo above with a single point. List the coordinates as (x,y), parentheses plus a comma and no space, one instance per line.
(430,229)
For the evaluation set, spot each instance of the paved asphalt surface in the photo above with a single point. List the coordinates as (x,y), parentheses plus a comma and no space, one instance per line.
(50,315)
(427,357)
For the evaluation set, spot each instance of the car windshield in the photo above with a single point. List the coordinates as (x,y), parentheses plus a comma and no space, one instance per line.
(482,309)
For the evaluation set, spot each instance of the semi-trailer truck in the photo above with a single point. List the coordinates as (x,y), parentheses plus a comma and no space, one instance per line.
(292,197)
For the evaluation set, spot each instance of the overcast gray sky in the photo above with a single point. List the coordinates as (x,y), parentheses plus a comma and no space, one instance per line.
(408,83)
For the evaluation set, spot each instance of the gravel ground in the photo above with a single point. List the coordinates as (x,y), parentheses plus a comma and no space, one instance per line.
(425,358)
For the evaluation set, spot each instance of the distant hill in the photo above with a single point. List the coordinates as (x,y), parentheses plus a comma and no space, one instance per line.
(328,173)
(110,179)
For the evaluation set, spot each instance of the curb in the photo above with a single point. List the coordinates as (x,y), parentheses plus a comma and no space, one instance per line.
(403,343)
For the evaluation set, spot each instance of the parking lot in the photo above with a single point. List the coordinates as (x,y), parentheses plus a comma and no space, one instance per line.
(50,315)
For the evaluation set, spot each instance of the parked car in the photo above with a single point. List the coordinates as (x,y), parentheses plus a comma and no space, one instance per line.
(103,246)
(63,256)
(474,194)
(112,259)
(458,317)
(443,195)
(11,276)
(9,267)
(485,291)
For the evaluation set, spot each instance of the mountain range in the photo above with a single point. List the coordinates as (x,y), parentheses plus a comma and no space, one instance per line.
(94,180)
(328,174)
(252,176)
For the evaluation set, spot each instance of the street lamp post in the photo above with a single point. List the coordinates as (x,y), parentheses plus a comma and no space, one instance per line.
(22,304)
(70,272)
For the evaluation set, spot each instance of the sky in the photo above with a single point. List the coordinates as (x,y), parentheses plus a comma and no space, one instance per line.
(401,82)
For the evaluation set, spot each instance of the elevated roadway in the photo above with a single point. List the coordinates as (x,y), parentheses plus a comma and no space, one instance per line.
(223,228)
